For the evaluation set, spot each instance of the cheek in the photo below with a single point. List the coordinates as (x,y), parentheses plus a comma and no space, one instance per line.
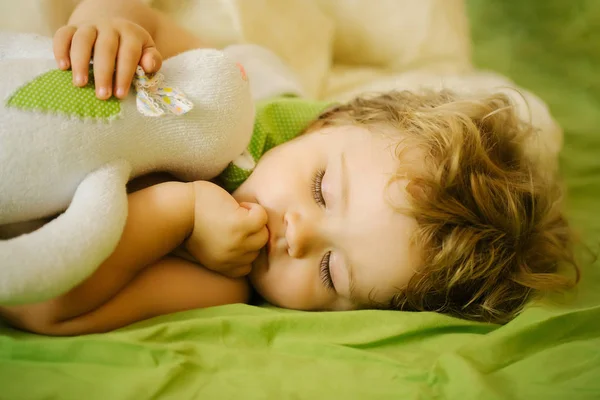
(266,175)
(287,285)
(276,183)
(281,161)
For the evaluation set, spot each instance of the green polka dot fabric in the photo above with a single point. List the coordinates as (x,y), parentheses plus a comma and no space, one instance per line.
(277,121)
(54,92)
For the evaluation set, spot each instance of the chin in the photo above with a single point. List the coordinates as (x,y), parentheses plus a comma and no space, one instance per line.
(258,272)
(260,289)
(269,285)
(260,281)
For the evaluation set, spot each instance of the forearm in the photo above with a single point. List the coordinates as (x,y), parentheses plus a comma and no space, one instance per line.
(160,218)
(170,39)
(171,285)
(139,280)
(90,11)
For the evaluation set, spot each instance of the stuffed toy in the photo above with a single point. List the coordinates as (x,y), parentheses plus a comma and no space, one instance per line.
(65,153)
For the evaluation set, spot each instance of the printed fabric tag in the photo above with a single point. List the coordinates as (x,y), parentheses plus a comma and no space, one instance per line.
(155,98)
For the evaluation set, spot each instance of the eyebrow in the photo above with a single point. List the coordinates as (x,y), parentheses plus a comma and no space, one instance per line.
(344,190)
(344,183)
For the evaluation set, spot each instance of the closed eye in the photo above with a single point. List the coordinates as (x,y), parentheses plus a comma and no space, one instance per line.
(317,190)
(325,272)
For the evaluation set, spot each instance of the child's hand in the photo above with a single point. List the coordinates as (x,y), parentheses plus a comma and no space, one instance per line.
(117,47)
(227,236)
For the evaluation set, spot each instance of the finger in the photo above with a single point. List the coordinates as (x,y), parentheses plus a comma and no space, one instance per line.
(240,271)
(256,217)
(257,241)
(61,45)
(251,256)
(105,53)
(81,52)
(128,57)
(151,60)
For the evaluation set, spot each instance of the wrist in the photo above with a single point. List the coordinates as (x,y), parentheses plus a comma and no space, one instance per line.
(95,11)
(190,210)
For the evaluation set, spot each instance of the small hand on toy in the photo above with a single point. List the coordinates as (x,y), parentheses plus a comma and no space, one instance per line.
(227,236)
(118,47)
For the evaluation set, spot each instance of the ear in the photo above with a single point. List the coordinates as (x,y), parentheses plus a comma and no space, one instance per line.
(417,190)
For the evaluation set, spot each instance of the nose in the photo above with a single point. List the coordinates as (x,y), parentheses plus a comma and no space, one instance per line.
(300,233)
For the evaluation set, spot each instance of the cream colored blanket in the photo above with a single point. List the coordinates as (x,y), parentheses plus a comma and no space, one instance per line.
(332,45)
(335,48)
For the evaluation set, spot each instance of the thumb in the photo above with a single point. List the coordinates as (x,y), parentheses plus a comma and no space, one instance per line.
(151,60)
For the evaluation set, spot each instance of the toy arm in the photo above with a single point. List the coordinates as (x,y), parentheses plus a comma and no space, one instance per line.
(53,259)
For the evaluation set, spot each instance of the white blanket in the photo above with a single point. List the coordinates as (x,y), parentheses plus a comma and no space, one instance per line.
(332,45)
(334,48)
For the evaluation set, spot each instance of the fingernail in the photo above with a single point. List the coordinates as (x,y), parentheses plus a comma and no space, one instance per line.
(154,65)
(64,64)
(80,80)
(103,92)
(120,92)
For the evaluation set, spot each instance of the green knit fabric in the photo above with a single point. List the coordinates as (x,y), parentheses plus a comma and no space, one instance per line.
(54,92)
(277,121)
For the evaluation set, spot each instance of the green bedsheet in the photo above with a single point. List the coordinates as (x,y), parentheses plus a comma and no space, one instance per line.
(551,351)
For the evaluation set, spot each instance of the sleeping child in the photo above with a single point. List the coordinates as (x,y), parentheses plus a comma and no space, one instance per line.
(400,201)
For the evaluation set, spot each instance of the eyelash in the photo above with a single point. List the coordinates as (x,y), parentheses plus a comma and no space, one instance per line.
(316,187)
(326,272)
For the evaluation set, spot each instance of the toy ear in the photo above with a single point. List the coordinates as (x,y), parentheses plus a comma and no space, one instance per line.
(53,92)
(155,97)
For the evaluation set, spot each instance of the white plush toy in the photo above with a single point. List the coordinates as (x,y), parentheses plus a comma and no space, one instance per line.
(64,151)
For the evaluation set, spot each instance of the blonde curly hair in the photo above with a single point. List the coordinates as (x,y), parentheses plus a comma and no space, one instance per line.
(490,227)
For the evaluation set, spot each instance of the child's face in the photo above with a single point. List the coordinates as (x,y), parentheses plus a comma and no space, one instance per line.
(335,242)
